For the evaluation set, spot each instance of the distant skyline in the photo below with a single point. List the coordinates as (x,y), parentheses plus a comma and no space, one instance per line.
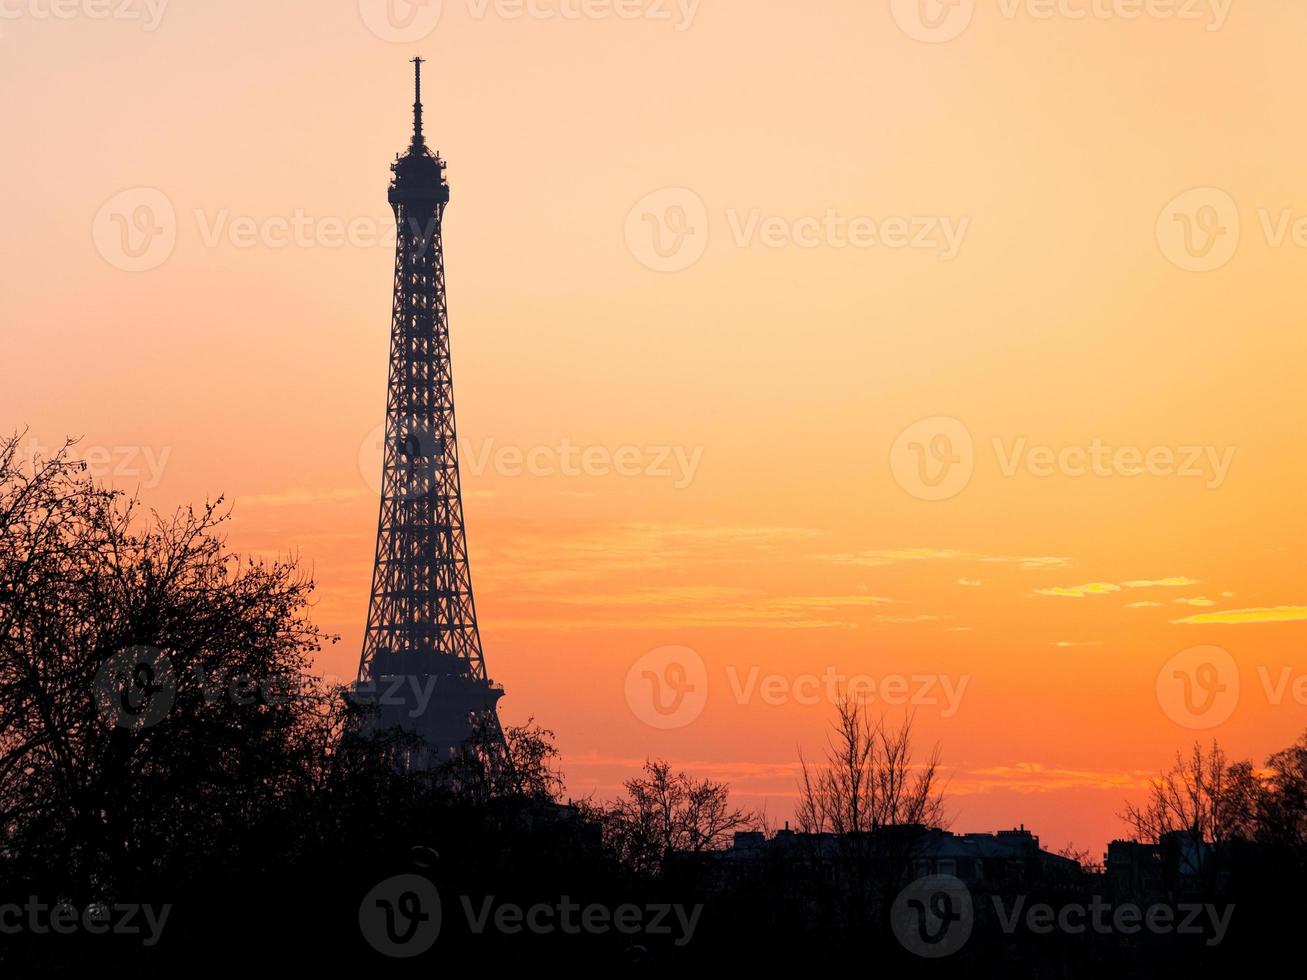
(962,368)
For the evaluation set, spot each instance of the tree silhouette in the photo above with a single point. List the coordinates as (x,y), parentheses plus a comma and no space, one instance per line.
(1282,804)
(666,813)
(154,697)
(1203,802)
(872,798)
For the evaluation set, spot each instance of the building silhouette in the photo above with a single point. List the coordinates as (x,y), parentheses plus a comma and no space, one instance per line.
(1005,856)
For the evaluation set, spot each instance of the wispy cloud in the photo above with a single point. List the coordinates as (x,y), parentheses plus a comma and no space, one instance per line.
(713,606)
(543,560)
(878,557)
(1034,777)
(1106,588)
(1275,614)
(1068,644)
(668,596)
(1080,591)
(833,601)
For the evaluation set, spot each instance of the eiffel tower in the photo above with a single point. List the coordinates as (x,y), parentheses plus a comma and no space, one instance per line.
(422,659)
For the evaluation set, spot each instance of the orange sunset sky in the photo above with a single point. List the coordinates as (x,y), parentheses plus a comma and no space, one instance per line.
(736,288)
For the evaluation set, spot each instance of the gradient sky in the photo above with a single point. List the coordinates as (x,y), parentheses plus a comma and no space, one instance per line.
(660,251)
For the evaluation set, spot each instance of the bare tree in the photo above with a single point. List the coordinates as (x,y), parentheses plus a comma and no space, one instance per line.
(1199,805)
(869,780)
(496,763)
(873,800)
(665,813)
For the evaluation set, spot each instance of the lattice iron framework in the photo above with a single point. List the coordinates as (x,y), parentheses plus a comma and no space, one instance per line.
(422,617)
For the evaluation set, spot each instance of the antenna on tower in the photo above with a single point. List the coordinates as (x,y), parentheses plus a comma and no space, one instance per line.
(419,142)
